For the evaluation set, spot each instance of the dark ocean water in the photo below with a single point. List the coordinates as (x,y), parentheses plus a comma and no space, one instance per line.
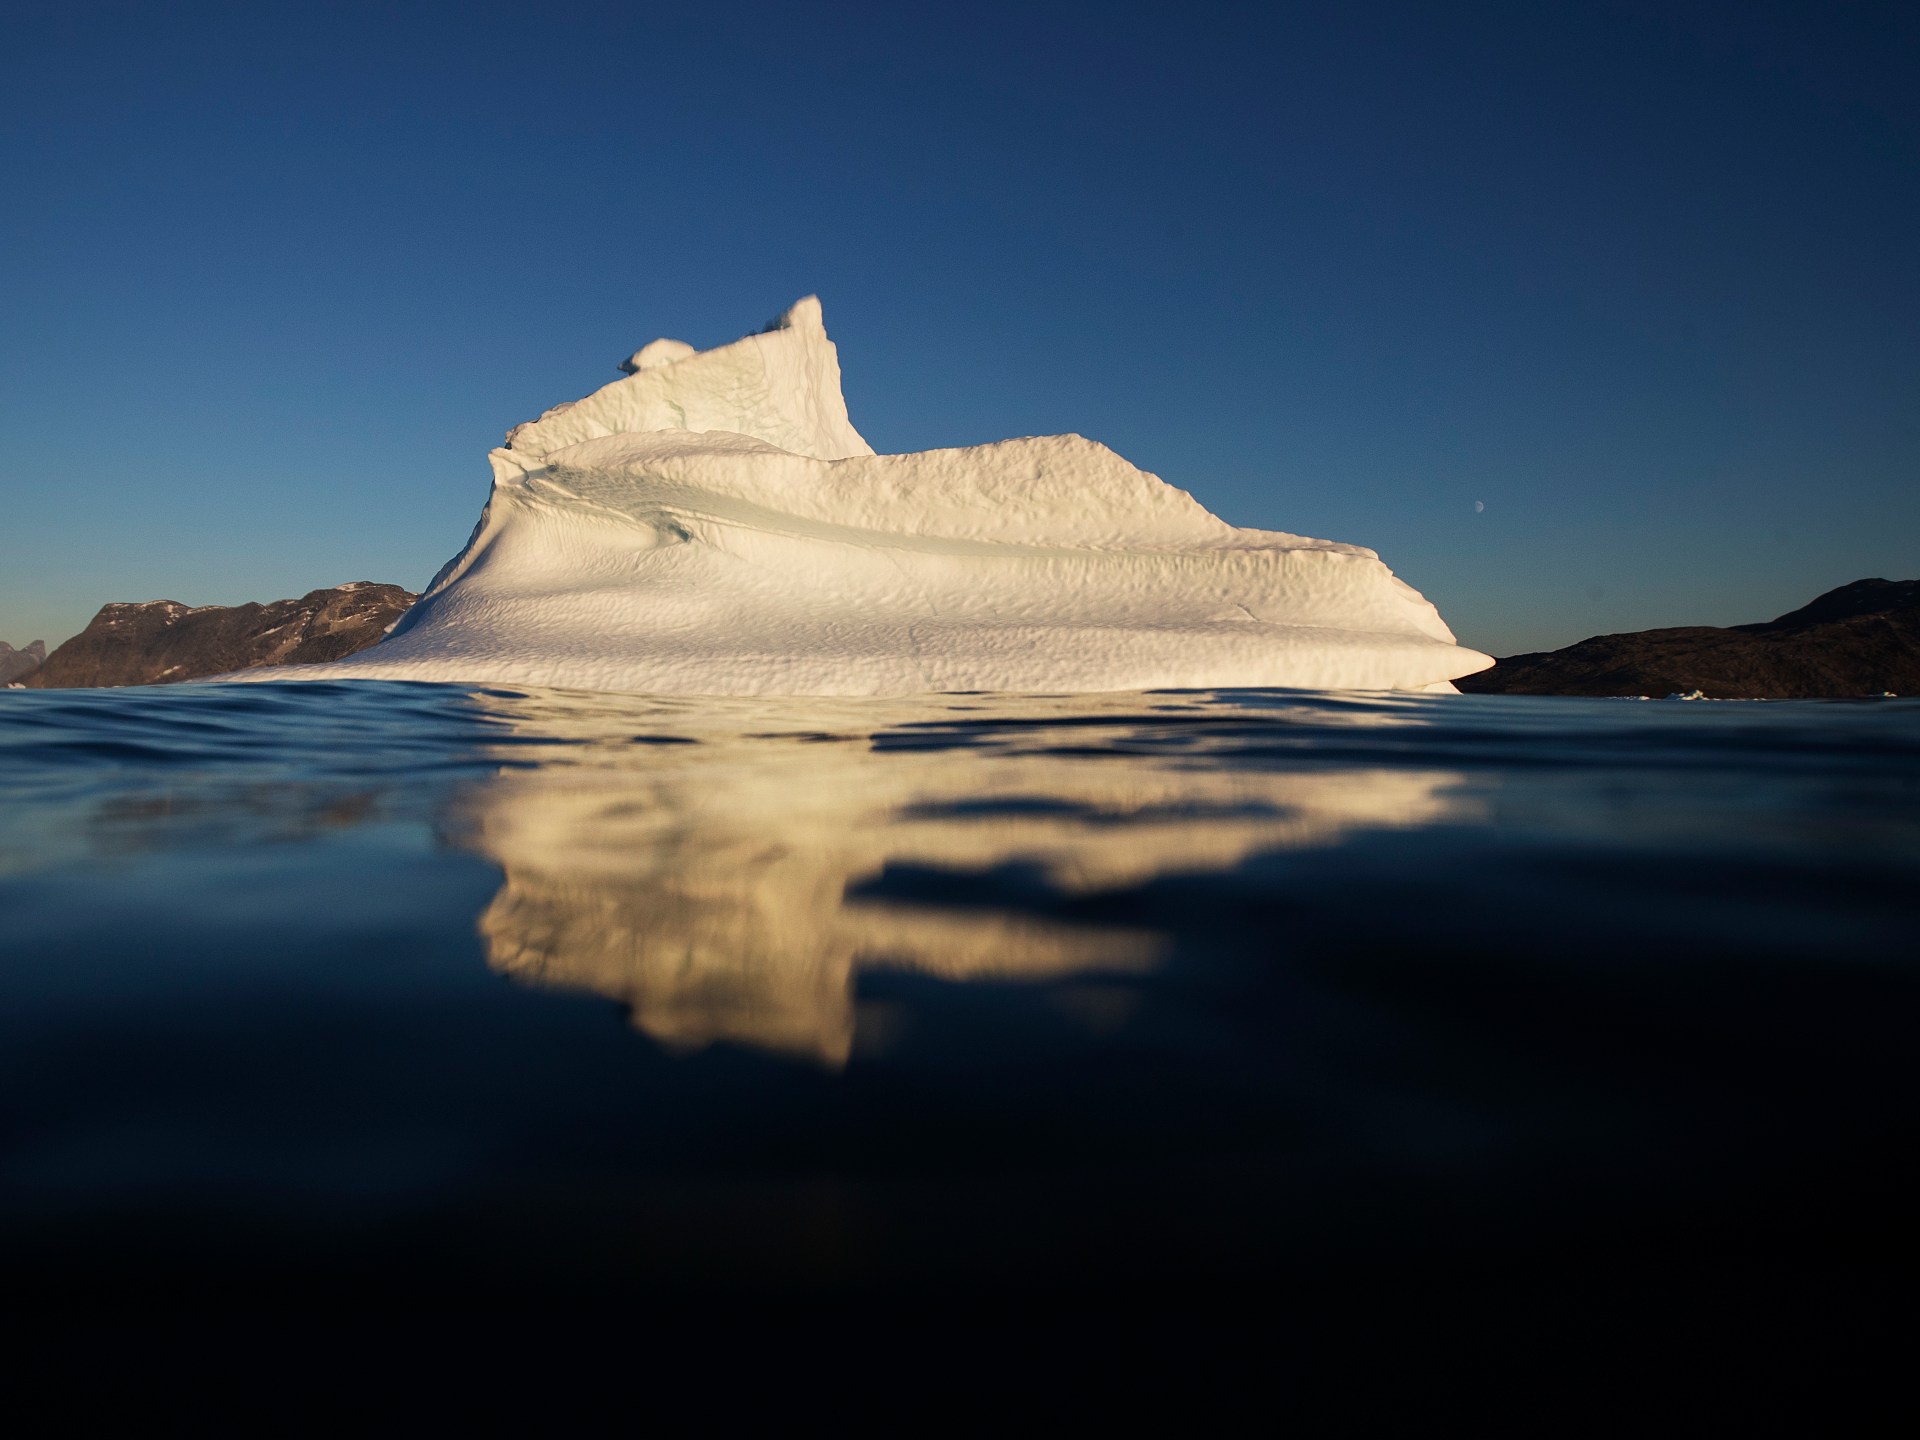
(1361,1010)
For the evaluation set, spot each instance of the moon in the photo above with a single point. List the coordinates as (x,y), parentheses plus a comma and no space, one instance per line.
(1478,506)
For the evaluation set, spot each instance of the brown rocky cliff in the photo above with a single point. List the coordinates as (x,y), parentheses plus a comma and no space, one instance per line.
(163,642)
(16,665)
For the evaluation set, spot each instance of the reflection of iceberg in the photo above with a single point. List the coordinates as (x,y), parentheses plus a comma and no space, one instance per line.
(713,524)
(707,885)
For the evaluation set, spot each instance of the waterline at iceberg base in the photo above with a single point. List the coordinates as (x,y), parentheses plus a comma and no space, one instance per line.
(713,524)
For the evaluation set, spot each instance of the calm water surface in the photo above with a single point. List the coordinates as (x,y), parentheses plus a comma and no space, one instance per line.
(1125,999)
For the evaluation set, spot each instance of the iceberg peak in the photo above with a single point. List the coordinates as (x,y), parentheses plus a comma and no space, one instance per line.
(656,354)
(803,314)
(781,386)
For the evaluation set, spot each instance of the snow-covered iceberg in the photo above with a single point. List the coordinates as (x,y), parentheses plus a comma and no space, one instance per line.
(713,524)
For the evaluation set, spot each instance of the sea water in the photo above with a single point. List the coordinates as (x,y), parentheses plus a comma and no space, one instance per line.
(381,988)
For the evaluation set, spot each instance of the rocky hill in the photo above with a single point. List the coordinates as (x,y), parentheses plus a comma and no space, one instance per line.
(163,642)
(1862,639)
(15,665)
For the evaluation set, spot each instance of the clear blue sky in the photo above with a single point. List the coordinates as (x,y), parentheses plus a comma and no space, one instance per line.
(1643,279)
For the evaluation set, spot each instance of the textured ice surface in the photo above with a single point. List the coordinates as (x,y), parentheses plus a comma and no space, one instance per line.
(713,524)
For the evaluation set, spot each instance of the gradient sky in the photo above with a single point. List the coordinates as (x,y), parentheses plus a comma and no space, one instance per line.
(1638,278)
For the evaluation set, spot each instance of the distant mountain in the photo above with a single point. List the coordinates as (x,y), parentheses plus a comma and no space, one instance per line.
(15,665)
(1862,639)
(163,642)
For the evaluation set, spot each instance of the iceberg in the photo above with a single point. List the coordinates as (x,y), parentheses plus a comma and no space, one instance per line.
(712,523)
